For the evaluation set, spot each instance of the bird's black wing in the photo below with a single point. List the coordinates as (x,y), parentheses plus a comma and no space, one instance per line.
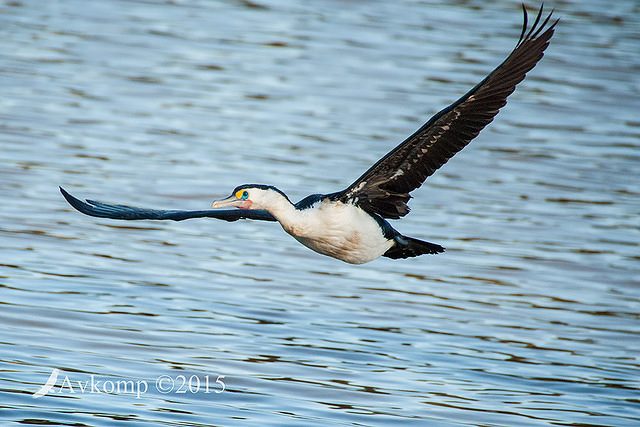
(105,210)
(384,188)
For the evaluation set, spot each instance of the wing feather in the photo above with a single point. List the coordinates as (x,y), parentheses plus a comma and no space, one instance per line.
(385,187)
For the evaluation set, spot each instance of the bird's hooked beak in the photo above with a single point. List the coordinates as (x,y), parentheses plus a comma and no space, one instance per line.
(231,202)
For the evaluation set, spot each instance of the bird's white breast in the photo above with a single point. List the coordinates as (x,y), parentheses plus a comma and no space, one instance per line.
(339,230)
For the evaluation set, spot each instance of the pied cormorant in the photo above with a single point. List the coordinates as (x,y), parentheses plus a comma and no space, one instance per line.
(351,225)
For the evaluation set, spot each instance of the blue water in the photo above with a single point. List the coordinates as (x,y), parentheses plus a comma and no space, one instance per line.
(531,317)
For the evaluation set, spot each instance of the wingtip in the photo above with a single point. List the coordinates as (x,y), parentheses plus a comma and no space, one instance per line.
(536,29)
(67,196)
(75,203)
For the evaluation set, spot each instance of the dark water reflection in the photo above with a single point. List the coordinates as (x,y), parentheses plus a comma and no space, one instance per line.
(529,318)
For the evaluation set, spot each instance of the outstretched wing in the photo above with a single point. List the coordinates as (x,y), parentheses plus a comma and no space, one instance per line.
(105,210)
(384,188)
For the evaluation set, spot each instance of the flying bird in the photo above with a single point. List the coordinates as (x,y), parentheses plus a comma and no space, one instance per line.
(351,225)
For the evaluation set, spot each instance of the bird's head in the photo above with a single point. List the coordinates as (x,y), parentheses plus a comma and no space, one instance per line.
(252,196)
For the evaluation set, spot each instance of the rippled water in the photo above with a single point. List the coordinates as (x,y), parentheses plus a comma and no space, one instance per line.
(531,317)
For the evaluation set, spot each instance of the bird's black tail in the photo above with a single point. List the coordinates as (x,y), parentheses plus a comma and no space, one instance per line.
(406,247)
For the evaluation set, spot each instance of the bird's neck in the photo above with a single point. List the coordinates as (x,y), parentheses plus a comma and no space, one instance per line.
(283,210)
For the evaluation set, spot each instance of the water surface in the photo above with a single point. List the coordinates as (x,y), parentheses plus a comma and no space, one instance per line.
(530,318)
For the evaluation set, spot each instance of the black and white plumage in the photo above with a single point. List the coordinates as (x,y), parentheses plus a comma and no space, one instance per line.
(351,225)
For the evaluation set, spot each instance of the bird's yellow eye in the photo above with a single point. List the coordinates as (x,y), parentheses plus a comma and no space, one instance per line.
(242,194)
